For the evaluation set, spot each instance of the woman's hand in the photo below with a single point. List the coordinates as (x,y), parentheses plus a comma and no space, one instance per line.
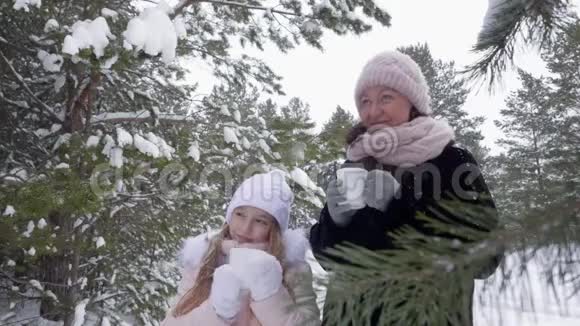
(341,211)
(380,188)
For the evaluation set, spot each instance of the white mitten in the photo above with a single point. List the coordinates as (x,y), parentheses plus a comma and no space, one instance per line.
(259,271)
(380,189)
(225,292)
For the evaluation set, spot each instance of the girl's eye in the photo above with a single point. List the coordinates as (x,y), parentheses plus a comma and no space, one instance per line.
(262,222)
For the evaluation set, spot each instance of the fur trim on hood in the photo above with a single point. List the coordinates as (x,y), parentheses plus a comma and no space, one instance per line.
(194,248)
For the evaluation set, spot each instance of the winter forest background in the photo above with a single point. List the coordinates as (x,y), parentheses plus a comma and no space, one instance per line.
(111,155)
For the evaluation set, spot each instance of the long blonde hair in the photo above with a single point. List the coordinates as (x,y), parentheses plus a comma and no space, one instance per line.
(202,286)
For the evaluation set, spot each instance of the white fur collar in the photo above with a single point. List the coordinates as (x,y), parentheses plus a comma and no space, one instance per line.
(295,245)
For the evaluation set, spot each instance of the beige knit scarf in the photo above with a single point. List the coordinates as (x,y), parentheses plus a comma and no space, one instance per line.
(406,145)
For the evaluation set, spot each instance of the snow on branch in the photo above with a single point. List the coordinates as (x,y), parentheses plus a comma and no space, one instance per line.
(44,107)
(185,3)
(139,116)
(169,87)
(19,104)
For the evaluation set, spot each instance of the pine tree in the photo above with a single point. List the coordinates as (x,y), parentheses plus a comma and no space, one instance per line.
(333,135)
(563,61)
(540,124)
(507,26)
(293,130)
(448,92)
(104,139)
(529,127)
(535,178)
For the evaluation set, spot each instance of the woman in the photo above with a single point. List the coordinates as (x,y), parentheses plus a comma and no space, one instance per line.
(413,166)
(253,271)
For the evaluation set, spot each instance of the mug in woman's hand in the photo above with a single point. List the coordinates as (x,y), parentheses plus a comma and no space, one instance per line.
(352,183)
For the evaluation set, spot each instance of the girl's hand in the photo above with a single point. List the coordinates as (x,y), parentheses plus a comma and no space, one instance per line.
(225,295)
(259,271)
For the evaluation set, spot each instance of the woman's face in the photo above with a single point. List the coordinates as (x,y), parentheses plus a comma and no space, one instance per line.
(250,225)
(383,105)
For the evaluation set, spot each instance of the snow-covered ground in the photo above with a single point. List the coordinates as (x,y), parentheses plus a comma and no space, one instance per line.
(527,300)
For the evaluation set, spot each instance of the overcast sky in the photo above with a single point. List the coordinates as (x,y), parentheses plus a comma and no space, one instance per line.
(450,27)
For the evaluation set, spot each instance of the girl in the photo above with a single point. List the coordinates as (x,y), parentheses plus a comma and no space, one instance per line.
(413,164)
(253,270)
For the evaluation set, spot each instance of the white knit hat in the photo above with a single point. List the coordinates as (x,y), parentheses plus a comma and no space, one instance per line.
(398,71)
(266,191)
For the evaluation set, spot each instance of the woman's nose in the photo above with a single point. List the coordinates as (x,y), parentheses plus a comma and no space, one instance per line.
(375,111)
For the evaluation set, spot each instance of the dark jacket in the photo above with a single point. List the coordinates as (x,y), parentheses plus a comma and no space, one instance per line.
(420,193)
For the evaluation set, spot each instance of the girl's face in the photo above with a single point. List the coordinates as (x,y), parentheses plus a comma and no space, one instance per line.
(250,225)
(383,105)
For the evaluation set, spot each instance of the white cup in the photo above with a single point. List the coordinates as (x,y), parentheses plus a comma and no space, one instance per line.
(352,182)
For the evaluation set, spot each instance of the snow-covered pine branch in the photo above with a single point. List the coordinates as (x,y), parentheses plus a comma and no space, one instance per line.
(45,109)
